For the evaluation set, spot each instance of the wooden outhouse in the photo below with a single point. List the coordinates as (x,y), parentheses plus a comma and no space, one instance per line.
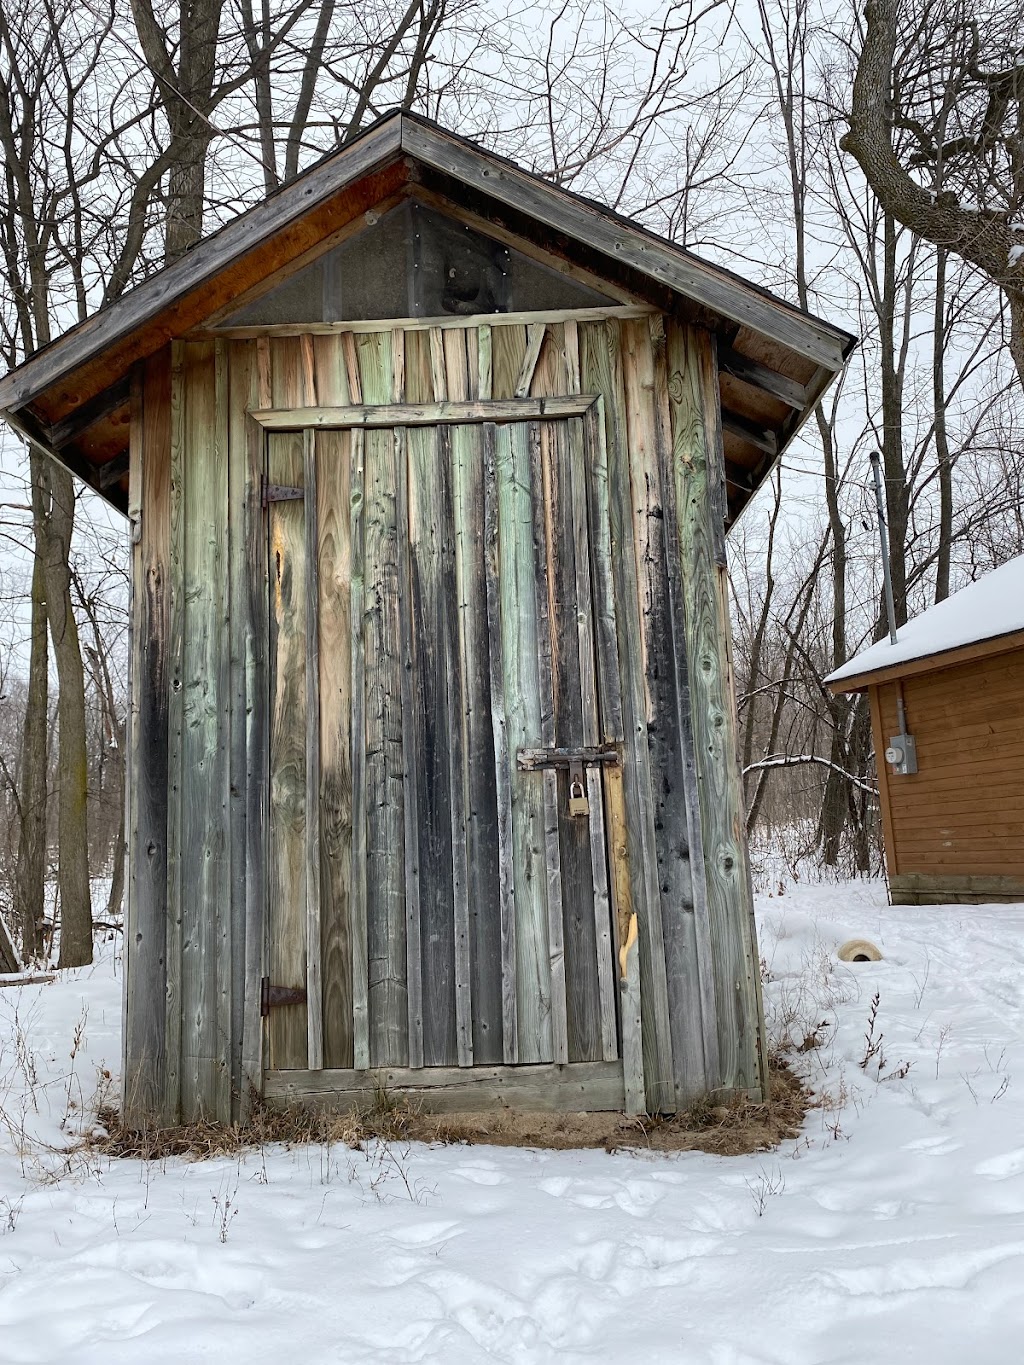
(428,465)
(953,685)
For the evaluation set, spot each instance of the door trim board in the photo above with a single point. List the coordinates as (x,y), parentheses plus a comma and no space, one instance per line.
(545,1087)
(447,413)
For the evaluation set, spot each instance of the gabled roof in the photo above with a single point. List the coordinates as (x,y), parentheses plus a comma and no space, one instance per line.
(71,396)
(989,611)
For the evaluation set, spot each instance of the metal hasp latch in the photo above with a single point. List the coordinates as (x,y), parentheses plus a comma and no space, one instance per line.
(272,996)
(574,760)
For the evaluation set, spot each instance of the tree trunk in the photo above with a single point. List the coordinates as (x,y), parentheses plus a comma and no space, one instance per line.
(53,540)
(186,186)
(31,872)
(981,235)
(897,495)
(8,957)
(941,437)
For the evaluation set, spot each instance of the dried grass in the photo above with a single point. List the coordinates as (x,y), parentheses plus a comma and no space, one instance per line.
(726,1128)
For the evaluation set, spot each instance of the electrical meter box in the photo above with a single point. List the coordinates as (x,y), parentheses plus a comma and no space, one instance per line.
(901,755)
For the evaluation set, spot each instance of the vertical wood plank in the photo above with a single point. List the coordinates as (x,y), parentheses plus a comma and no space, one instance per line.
(411,795)
(567,727)
(519,644)
(460,849)
(416,777)
(683,727)
(605,624)
(287,963)
(630,1008)
(257,691)
(624,922)
(235,392)
(334,555)
(146,806)
(484,368)
(175,726)
(694,416)
(663,684)
(257,728)
(471,688)
(438,362)
(205,855)
(601,368)
(576,469)
(287,1028)
(379,367)
(535,334)
(314,981)
(360,936)
(419,384)
(571,351)
(543,534)
(508,352)
(556,943)
(452,637)
(433,747)
(503,787)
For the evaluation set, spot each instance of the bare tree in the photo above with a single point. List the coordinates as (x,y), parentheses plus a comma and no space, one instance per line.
(936,125)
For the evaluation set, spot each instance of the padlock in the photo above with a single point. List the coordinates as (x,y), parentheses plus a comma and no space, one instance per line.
(578,803)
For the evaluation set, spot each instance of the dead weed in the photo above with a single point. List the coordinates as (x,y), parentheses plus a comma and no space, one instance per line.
(723,1126)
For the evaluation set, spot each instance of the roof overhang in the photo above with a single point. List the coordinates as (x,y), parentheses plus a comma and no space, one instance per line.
(71,397)
(929,663)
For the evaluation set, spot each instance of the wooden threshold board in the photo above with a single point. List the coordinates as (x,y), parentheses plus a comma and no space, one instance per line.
(451,1089)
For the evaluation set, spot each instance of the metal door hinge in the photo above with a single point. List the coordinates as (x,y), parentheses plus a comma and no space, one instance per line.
(279,492)
(272,996)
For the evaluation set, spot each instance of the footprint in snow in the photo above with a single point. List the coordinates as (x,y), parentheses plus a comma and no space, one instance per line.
(424,1234)
(481,1175)
(933,1146)
(1002,1167)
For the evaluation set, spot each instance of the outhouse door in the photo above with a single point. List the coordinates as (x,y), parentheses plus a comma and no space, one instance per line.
(442,672)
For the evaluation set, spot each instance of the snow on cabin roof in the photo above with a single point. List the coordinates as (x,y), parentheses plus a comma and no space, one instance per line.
(983,610)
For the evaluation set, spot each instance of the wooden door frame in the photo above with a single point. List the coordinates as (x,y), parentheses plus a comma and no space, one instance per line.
(598,1085)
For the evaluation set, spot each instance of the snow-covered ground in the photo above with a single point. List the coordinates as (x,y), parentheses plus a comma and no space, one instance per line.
(892,1230)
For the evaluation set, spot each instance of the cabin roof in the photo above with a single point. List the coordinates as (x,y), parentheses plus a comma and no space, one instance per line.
(72,396)
(987,613)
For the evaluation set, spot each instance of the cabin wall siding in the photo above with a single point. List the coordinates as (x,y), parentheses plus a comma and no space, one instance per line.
(675,822)
(955,828)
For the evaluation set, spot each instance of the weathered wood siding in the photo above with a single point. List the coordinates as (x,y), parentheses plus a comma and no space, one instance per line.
(955,828)
(146,898)
(343,803)
(193,672)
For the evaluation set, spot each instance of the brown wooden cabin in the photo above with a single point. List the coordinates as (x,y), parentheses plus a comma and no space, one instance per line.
(954,829)
(428,465)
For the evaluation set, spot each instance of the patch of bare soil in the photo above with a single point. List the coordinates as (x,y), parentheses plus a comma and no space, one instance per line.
(725,1129)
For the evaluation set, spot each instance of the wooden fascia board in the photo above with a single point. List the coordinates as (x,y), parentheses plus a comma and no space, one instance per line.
(931,663)
(725,295)
(217,252)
